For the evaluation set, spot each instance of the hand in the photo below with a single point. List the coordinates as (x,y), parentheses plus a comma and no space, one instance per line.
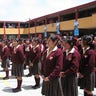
(46,79)
(80,75)
(43,77)
(31,64)
(95,69)
(0,60)
(61,74)
(24,63)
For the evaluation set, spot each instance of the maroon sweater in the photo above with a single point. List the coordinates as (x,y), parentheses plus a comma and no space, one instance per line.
(18,56)
(35,55)
(5,53)
(71,63)
(52,64)
(87,64)
(1,48)
(27,53)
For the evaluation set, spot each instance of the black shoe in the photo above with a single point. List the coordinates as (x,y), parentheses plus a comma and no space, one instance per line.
(36,86)
(29,75)
(5,78)
(16,90)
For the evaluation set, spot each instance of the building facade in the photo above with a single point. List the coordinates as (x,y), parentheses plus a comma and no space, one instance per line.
(83,17)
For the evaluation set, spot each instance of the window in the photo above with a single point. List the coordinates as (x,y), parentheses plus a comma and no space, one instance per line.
(67,17)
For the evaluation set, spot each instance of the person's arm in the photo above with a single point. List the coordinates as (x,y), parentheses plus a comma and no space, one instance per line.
(58,67)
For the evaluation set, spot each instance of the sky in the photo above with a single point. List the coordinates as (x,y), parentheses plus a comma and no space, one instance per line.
(23,10)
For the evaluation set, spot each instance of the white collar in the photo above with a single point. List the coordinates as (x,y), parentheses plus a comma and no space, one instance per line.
(17,46)
(36,46)
(5,46)
(84,50)
(54,49)
(71,51)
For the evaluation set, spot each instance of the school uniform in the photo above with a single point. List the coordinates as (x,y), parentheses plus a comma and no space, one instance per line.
(52,63)
(35,55)
(1,46)
(27,53)
(70,68)
(87,66)
(95,61)
(18,58)
(95,68)
(5,57)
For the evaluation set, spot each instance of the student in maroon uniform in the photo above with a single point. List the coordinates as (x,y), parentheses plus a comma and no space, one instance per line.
(94,42)
(5,59)
(35,55)
(1,46)
(52,62)
(87,65)
(71,61)
(18,63)
(27,55)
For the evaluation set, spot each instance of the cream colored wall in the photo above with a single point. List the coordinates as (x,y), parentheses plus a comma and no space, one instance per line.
(88,22)
(85,22)
(11,31)
(67,25)
(40,29)
(51,27)
(1,31)
(94,20)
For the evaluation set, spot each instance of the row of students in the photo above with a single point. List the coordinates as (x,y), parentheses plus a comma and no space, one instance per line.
(60,74)
(59,66)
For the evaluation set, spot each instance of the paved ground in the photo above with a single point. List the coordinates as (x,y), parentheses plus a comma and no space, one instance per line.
(7,85)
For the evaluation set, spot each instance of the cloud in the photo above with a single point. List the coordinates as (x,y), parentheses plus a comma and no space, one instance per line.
(22,10)
(5,2)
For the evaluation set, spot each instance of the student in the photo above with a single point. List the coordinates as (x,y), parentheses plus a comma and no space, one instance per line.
(35,55)
(94,42)
(27,55)
(18,63)
(52,61)
(87,65)
(71,61)
(5,59)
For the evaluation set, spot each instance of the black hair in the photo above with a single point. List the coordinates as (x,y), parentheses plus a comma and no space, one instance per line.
(53,37)
(70,41)
(36,39)
(5,42)
(88,40)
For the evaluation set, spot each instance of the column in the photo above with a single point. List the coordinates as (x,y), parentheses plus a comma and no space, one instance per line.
(29,29)
(4,26)
(18,30)
(35,29)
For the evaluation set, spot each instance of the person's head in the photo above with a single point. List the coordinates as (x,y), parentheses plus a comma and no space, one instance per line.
(63,41)
(52,41)
(69,42)
(4,43)
(86,40)
(15,43)
(27,41)
(95,39)
(35,41)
